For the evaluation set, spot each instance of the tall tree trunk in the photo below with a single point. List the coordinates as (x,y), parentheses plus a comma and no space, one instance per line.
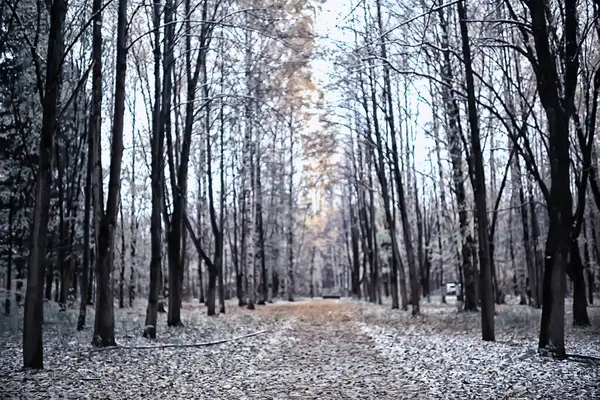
(372,233)
(199,218)
(9,263)
(248,174)
(157,189)
(260,261)
(85,271)
(34,307)
(558,105)
(538,257)
(354,239)
(312,271)
(62,222)
(290,284)
(134,226)
(122,266)
(588,264)
(104,326)
(175,226)
(49,272)
(239,277)
(486,288)
(575,271)
(91,279)
(423,276)
(217,264)
(220,239)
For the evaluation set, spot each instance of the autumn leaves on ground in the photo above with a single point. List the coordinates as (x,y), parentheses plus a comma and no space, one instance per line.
(310,349)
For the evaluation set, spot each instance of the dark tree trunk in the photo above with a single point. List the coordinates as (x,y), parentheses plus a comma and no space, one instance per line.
(49,267)
(354,238)
(575,272)
(220,234)
(420,240)
(372,233)
(62,288)
(85,271)
(133,228)
(588,266)
(538,257)
(9,264)
(20,274)
(34,308)
(312,271)
(290,283)
(122,266)
(558,105)
(219,267)
(211,292)
(175,227)
(239,279)
(91,279)
(157,191)
(557,243)
(487,299)
(104,326)
(201,298)
(260,242)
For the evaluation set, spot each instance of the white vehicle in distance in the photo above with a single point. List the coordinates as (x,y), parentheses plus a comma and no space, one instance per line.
(452,289)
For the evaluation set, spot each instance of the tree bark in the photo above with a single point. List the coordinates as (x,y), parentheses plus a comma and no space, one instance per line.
(9,263)
(175,225)
(486,289)
(104,327)
(133,228)
(575,272)
(248,176)
(291,284)
(85,271)
(157,189)
(588,265)
(122,266)
(558,108)
(34,307)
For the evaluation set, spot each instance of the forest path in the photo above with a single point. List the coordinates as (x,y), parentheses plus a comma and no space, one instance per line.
(318,352)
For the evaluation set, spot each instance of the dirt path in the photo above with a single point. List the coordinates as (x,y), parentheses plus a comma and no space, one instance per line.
(318,352)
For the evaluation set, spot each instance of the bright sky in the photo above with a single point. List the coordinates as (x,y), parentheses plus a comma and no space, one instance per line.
(333,15)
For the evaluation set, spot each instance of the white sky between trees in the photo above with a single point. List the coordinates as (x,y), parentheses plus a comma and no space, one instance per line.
(331,27)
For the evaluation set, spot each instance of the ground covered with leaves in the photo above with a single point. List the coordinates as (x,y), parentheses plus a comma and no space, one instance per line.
(311,349)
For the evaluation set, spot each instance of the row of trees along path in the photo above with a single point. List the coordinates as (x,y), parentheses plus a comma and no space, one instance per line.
(197,149)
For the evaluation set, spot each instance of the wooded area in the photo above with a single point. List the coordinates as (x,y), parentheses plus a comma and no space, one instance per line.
(383,151)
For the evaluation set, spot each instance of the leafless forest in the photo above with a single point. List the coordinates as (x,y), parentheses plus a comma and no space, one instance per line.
(330,199)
